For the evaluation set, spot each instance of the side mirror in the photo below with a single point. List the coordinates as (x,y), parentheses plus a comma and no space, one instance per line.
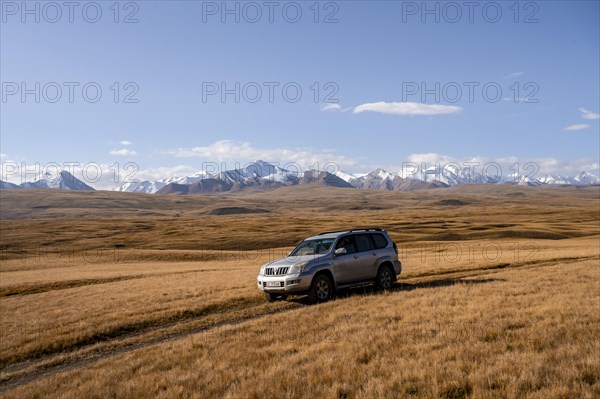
(340,251)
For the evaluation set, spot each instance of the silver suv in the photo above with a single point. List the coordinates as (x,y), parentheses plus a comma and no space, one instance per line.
(329,261)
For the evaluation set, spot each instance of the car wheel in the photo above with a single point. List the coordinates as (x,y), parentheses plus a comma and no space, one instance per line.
(321,289)
(275,297)
(385,278)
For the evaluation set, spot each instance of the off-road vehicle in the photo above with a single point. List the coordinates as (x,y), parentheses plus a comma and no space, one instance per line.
(327,262)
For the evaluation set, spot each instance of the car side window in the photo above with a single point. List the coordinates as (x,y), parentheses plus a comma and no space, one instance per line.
(379,241)
(363,243)
(348,243)
(324,246)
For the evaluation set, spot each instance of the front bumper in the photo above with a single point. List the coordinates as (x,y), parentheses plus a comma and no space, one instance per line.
(288,284)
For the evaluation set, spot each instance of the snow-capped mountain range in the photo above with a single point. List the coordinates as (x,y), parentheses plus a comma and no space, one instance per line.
(61,181)
(261,175)
(264,174)
(259,170)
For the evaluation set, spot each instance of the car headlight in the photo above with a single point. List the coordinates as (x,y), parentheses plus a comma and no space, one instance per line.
(262,270)
(297,269)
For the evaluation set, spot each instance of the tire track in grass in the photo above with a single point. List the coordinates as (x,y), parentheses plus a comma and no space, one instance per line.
(29,289)
(472,271)
(131,329)
(61,365)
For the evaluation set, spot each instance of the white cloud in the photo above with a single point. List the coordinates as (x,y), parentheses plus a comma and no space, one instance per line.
(335,107)
(126,142)
(585,114)
(124,152)
(332,107)
(509,159)
(513,75)
(571,167)
(580,126)
(430,158)
(235,151)
(158,173)
(407,108)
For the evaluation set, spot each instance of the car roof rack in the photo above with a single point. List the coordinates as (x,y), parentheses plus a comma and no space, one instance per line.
(350,231)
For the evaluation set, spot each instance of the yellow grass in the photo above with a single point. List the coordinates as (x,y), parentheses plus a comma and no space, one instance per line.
(127,295)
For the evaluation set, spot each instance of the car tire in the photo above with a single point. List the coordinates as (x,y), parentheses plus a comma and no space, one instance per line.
(321,289)
(275,297)
(385,278)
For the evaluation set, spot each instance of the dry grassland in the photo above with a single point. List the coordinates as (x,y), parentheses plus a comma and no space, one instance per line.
(128,295)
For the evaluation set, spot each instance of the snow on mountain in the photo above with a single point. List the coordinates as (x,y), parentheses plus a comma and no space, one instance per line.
(383,174)
(261,174)
(195,178)
(348,177)
(587,178)
(250,174)
(260,170)
(142,187)
(61,181)
(583,178)
(453,175)
(380,179)
(524,180)
(153,187)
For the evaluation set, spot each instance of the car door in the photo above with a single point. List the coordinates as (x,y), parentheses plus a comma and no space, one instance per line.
(347,266)
(367,256)
(379,244)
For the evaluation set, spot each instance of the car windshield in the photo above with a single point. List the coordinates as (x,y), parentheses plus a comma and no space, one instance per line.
(313,247)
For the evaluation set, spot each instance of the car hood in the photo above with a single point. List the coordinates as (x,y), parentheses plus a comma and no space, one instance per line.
(294,260)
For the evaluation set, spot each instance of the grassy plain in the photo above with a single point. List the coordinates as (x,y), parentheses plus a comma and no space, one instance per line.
(129,295)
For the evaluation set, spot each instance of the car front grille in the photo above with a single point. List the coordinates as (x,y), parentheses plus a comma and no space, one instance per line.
(276,271)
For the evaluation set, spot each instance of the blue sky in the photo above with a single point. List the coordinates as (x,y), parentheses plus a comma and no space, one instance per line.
(366,61)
